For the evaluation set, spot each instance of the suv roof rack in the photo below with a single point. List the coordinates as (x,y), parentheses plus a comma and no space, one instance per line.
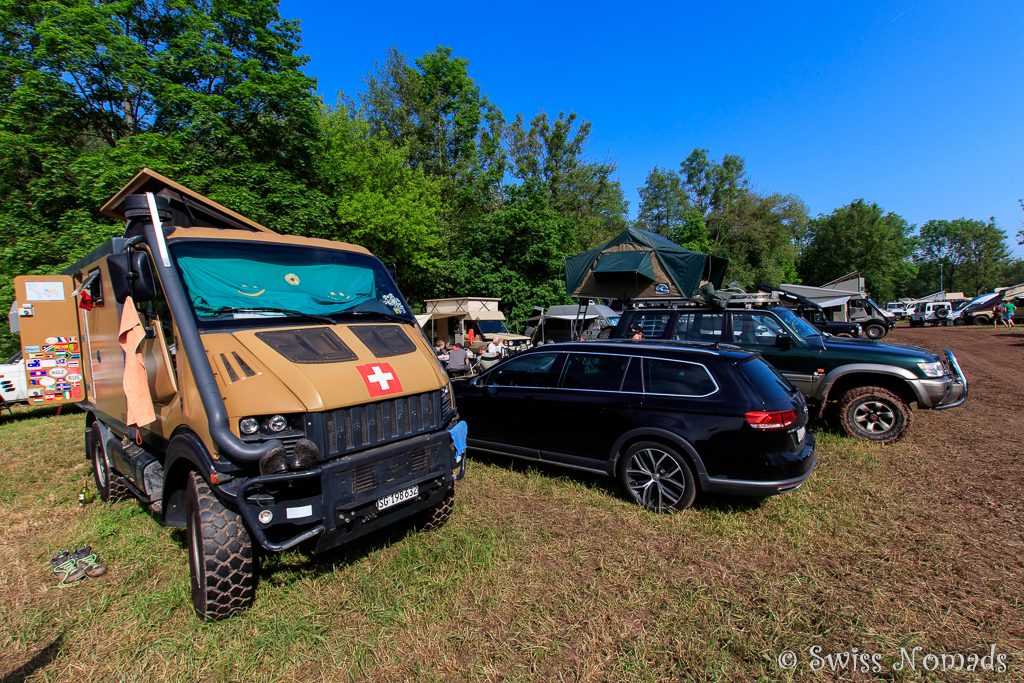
(745,300)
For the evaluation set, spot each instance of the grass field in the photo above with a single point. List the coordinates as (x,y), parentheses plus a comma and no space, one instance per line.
(538,576)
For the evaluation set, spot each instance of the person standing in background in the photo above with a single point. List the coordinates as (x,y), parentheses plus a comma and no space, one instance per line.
(1009,308)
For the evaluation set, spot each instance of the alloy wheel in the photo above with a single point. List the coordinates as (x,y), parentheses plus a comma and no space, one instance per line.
(656,479)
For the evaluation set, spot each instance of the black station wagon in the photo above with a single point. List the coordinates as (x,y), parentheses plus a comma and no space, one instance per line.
(668,419)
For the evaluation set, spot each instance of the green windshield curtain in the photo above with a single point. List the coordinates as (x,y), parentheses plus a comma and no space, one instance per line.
(216,283)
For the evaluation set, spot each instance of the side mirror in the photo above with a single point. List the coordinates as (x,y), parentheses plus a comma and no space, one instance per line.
(784,342)
(131,275)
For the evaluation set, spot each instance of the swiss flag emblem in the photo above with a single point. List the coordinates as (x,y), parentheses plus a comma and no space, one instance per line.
(380,379)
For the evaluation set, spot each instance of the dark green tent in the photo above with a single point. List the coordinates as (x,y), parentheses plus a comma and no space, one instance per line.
(638,265)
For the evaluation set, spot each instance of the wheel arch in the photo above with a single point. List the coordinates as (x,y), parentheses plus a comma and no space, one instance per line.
(868,377)
(665,436)
(185,453)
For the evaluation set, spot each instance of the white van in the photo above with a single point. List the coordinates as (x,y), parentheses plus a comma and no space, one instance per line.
(931,313)
(13,388)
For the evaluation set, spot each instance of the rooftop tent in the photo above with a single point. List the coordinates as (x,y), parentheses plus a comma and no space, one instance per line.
(639,264)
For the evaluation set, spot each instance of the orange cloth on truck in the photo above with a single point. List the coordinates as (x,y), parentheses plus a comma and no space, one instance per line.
(135,381)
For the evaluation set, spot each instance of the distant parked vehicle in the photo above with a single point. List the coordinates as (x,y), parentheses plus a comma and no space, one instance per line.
(931,313)
(900,309)
(13,388)
(977,311)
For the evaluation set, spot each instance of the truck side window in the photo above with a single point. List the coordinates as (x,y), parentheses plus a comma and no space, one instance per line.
(757,329)
(157,311)
(653,324)
(699,326)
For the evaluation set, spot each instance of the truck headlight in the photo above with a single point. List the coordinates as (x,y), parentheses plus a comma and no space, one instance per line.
(932,369)
(277,423)
(248,425)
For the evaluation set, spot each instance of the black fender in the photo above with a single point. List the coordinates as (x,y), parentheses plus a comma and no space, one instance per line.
(656,434)
(185,453)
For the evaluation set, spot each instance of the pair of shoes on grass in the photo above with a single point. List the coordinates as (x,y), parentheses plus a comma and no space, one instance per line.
(71,567)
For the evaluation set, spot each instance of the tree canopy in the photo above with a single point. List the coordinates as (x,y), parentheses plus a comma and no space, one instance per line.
(860,236)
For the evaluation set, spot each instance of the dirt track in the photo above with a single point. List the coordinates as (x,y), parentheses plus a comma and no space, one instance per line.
(968,464)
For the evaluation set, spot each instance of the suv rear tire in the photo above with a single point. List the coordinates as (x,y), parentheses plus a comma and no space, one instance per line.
(657,477)
(111,486)
(874,331)
(220,553)
(874,414)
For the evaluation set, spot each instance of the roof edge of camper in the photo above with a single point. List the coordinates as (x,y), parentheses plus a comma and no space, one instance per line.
(189,208)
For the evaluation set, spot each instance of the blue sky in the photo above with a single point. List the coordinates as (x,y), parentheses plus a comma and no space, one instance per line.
(914,105)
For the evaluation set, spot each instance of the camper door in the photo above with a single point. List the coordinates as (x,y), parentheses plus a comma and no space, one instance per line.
(50,339)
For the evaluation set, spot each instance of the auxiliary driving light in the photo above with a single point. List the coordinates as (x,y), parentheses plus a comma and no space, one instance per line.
(277,423)
(266,517)
(248,425)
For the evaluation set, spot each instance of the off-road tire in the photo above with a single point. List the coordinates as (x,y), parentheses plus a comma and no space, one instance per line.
(874,331)
(670,484)
(981,320)
(110,485)
(220,552)
(958,322)
(845,335)
(437,516)
(874,414)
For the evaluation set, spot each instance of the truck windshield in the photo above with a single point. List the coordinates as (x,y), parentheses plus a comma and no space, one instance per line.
(492,327)
(232,280)
(801,327)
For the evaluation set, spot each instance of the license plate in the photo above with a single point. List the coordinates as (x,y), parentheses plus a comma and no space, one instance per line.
(397,497)
(800,433)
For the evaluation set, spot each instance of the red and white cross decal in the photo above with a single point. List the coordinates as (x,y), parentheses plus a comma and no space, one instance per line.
(380,379)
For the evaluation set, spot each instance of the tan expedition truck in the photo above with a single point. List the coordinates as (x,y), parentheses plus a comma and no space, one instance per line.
(258,390)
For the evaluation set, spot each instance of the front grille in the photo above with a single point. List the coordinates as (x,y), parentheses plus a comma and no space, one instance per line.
(363,478)
(373,424)
(383,472)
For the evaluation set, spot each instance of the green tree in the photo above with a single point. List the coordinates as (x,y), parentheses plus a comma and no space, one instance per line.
(436,110)
(859,237)
(761,241)
(551,155)
(665,209)
(383,203)
(971,255)
(516,254)
(713,186)
(207,91)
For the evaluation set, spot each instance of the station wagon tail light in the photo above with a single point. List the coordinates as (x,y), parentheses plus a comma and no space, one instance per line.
(771,419)
(933,369)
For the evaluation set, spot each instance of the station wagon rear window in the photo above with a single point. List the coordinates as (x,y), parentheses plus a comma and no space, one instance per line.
(677,378)
(766,379)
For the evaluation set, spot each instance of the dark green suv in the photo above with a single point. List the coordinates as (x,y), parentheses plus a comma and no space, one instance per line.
(870,385)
